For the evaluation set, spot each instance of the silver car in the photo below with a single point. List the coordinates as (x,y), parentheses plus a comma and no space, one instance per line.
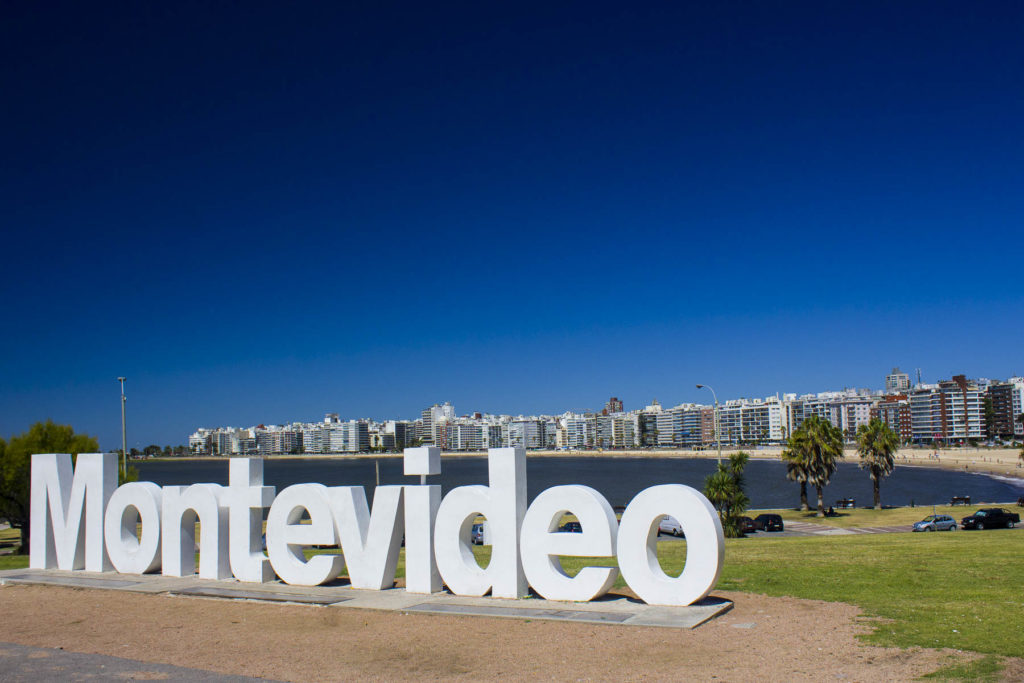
(936,523)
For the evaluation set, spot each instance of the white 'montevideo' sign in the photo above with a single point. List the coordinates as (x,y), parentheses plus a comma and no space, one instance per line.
(81,519)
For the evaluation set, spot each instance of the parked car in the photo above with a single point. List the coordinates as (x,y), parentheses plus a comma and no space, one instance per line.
(477,534)
(747,525)
(571,528)
(936,523)
(769,522)
(671,526)
(990,518)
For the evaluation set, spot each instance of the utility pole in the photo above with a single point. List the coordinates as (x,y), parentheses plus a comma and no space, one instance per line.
(124,433)
(718,432)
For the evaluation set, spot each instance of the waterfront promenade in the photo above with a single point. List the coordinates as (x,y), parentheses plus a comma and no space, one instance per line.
(997,461)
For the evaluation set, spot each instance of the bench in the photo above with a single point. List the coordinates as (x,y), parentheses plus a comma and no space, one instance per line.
(846,503)
(961,500)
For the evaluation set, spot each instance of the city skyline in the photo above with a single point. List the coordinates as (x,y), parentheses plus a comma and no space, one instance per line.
(288,210)
(953,410)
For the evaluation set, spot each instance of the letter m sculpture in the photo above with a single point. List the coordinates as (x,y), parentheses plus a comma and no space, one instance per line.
(67,510)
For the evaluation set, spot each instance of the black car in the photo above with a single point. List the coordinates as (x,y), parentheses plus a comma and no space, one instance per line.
(747,525)
(571,528)
(769,522)
(990,518)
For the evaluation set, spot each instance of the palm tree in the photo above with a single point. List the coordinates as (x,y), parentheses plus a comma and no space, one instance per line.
(877,444)
(820,445)
(796,466)
(724,488)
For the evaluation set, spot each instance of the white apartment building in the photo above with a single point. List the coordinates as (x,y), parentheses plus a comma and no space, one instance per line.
(579,431)
(1018,404)
(430,417)
(316,438)
(528,433)
(199,441)
(352,436)
(848,409)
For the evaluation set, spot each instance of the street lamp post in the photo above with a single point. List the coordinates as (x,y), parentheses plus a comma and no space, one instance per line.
(718,432)
(124,432)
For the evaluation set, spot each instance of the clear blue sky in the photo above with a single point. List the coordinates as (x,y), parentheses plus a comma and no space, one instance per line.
(262,212)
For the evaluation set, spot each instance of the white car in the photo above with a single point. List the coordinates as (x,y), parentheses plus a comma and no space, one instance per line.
(671,526)
(936,523)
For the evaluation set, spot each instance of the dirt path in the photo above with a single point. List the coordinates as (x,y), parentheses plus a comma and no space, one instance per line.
(762,638)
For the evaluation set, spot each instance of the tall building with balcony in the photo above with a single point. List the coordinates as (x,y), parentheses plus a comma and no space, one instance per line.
(315,438)
(400,431)
(614,405)
(527,433)
(430,417)
(616,431)
(847,410)
(201,441)
(897,382)
(950,411)
(647,424)
(277,441)
(1007,405)
(579,431)
(894,411)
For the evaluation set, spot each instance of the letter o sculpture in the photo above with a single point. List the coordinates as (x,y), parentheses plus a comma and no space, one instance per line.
(638,545)
(134,502)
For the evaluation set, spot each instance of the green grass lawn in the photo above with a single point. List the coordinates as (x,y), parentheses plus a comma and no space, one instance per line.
(958,590)
(13,562)
(10,539)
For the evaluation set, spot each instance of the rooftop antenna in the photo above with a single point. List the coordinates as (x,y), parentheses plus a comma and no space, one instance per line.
(919,375)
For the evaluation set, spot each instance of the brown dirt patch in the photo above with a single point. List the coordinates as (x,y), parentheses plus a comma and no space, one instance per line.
(762,638)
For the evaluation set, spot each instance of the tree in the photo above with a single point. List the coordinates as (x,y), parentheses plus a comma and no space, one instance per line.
(16,466)
(796,468)
(990,417)
(877,444)
(724,488)
(820,445)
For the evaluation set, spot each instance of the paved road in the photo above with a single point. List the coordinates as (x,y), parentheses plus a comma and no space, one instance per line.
(798,529)
(24,663)
(810,529)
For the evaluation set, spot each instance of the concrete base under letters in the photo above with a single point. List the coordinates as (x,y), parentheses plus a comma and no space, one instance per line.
(609,610)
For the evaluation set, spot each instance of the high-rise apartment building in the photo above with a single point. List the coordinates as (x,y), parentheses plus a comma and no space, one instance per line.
(579,431)
(950,411)
(430,417)
(275,440)
(352,436)
(1007,405)
(895,412)
(400,430)
(897,382)
(614,405)
(526,433)
(847,409)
